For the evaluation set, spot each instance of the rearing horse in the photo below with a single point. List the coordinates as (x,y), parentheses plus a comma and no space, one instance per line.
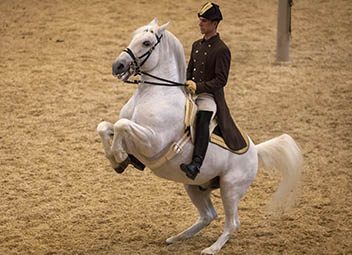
(152,120)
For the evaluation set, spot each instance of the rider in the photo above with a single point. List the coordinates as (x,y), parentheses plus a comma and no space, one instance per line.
(207,74)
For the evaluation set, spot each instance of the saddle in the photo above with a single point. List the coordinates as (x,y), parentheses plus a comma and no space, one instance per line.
(189,135)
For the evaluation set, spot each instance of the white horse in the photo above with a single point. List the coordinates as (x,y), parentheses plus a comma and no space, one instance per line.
(152,120)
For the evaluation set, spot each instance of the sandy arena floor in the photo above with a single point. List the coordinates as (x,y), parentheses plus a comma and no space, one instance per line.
(58,194)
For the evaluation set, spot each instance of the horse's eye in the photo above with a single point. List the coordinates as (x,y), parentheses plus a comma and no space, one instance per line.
(147,43)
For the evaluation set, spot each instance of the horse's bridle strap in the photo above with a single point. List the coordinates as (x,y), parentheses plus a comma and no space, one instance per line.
(130,52)
(145,55)
(137,67)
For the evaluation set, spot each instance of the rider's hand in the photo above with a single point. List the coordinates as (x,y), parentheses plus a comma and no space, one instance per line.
(191,86)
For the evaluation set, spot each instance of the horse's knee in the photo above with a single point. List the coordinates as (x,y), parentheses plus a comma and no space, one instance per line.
(104,127)
(121,125)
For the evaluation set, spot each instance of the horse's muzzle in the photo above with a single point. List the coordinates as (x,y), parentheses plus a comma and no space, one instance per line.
(119,67)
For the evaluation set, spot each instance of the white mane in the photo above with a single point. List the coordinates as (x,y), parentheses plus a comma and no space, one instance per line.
(177,48)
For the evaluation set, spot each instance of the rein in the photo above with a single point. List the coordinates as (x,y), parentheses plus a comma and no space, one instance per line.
(169,83)
(137,66)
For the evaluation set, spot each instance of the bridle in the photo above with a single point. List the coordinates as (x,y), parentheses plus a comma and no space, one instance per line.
(146,55)
(136,67)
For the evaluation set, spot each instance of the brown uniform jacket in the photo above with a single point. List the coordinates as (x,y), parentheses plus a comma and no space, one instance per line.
(209,67)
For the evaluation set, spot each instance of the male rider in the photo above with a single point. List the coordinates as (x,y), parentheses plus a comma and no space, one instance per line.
(207,74)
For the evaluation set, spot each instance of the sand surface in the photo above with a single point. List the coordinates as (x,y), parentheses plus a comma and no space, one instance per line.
(58,193)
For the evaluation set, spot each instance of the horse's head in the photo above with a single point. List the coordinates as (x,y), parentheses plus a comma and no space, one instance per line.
(142,54)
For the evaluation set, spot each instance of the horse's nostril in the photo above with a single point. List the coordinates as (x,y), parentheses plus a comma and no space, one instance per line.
(120,67)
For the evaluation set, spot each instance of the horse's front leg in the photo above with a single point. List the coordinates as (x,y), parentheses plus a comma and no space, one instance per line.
(128,134)
(106,131)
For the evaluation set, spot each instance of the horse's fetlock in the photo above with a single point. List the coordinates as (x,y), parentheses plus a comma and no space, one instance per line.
(120,155)
(206,220)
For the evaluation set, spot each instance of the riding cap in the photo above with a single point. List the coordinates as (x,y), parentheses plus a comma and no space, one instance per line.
(210,11)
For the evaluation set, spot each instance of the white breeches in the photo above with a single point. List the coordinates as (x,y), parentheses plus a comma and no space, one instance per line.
(206,102)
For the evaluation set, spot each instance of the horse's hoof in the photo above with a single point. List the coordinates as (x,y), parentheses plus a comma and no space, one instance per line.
(136,163)
(208,251)
(171,240)
(122,166)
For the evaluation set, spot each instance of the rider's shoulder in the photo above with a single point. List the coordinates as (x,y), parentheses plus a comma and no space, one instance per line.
(222,47)
(197,42)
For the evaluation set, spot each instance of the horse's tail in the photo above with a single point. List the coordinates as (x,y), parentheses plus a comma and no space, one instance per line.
(282,153)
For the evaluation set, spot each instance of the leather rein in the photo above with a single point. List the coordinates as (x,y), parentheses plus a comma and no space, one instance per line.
(136,67)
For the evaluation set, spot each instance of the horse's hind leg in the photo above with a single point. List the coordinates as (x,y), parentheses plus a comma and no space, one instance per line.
(106,131)
(207,213)
(231,193)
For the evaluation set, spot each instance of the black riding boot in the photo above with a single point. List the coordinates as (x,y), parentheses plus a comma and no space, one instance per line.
(200,145)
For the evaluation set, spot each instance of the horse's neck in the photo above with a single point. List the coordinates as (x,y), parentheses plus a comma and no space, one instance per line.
(164,72)
(172,64)
(161,100)
(167,69)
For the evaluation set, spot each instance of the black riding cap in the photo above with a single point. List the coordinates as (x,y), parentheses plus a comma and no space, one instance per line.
(210,11)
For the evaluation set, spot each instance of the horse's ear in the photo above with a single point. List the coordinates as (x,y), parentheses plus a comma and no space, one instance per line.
(162,28)
(154,22)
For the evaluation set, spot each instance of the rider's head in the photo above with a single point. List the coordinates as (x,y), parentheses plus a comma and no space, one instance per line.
(209,18)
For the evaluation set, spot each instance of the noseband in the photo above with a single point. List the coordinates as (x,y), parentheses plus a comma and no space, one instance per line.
(136,67)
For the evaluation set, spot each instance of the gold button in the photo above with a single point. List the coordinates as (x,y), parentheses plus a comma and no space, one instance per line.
(196,51)
(209,45)
(205,53)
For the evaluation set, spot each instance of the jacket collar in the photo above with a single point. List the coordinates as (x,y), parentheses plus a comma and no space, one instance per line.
(212,39)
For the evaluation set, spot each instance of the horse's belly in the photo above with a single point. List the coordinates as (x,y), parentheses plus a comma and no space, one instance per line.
(173,173)
(218,162)
(214,165)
